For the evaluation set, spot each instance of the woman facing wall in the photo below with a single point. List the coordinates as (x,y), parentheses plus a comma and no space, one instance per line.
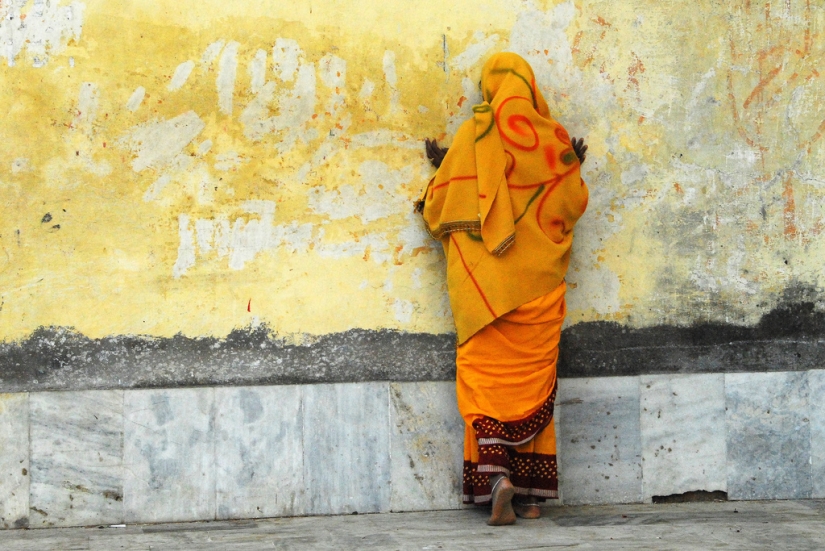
(504,202)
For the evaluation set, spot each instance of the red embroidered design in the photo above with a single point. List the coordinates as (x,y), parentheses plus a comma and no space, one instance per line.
(532,474)
(490,431)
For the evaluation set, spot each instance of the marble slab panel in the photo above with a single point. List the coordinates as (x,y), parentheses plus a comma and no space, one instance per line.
(599,440)
(14,460)
(76,455)
(258,452)
(816,388)
(346,448)
(169,455)
(768,435)
(683,434)
(426,446)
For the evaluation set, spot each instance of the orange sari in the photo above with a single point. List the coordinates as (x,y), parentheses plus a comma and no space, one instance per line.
(504,203)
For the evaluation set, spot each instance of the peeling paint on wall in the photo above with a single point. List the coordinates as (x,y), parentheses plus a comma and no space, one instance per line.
(40,27)
(196,157)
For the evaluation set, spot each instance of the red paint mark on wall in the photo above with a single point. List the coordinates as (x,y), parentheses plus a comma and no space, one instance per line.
(249,306)
(634,70)
(789,213)
(759,87)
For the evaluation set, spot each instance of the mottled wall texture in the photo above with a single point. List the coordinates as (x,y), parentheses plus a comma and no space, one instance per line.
(220,191)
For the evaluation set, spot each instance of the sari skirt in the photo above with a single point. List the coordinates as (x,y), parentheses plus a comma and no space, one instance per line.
(506,388)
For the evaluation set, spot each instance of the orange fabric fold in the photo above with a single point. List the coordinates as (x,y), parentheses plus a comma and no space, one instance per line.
(507,370)
(505,199)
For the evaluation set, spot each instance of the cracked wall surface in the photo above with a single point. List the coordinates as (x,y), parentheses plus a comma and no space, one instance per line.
(194,169)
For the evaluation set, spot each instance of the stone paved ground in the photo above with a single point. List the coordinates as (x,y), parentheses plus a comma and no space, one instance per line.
(780,525)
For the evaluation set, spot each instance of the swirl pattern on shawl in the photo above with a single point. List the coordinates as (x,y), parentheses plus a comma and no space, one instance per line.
(505,199)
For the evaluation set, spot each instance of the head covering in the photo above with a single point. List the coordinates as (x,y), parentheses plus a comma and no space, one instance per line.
(513,135)
(505,199)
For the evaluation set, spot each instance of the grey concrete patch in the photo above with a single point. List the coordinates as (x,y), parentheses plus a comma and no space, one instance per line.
(169,455)
(791,337)
(693,526)
(816,389)
(683,433)
(59,359)
(76,454)
(346,448)
(14,460)
(258,453)
(599,440)
(768,436)
(426,446)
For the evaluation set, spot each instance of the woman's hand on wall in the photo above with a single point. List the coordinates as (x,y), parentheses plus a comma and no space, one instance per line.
(580,149)
(435,153)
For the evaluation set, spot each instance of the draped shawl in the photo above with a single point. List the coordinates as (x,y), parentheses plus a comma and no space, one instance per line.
(505,199)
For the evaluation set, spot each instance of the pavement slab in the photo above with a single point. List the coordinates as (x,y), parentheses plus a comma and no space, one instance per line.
(787,525)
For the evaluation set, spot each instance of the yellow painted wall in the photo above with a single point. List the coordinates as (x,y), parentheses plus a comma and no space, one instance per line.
(180,166)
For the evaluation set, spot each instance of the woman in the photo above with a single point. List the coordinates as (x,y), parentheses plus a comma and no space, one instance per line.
(503,203)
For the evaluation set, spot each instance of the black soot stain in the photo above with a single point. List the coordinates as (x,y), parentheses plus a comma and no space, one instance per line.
(791,337)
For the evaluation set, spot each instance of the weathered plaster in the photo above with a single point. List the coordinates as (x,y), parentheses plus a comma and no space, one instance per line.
(789,338)
(179,168)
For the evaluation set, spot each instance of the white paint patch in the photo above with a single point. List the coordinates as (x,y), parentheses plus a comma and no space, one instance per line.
(286,55)
(376,243)
(211,52)
(534,33)
(366,89)
(181,75)
(634,173)
(403,310)
(389,68)
(472,95)
(295,108)
(416,278)
(45,31)
(380,138)
(200,178)
(157,187)
(243,239)
(388,284)
(257,72)
(180,167)
(229,161)
(88,100)
(227,70)
(596,289)
(204,147)
(21,164)
(87,105)
(333,72)
(472,55)
(136,99)
(186,248)
(413,235)
(156,144)
(391,77)
(378,197)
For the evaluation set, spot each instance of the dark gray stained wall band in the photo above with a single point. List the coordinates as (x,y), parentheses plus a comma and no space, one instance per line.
(790,338)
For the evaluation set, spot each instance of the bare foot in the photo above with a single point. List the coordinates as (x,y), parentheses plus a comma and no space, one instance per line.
(503,493)
(527,507)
